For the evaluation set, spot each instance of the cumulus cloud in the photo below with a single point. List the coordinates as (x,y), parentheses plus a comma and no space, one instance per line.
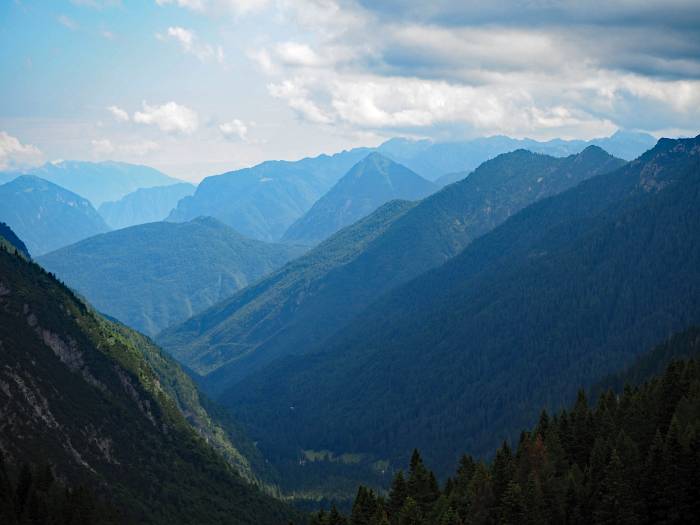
(169,117)
(118,113)
(236,129)
(190,44)
(15,155)
(504,66)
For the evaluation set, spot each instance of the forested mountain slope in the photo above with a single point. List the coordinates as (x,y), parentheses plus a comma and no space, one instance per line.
(267,321)
(47,216)
(105,408)
(630,458)
(153,275)
(370,183)
(144,205)
(565,292)
(263,201)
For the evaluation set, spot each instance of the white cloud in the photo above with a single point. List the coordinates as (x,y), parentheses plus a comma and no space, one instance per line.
(102,147)
(67,22)
(14,154)
(218,6)
(235,129)
(105,148)
(118,113)
(299,98)
(169,117)
(190,44)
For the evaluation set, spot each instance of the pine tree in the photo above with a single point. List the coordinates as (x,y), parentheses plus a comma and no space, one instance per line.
(512,507)
(397,497)
(410,513)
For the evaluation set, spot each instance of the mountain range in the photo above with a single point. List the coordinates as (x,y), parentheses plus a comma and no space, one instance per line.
(263,201)
(297,307)
(372,182)
(144,205)
(46,216)
(153,275)
(435,159)
(94,404)
(99,182)
(562,293)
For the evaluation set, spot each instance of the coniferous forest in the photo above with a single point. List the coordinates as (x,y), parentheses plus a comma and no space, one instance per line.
(628,458)
(349,262)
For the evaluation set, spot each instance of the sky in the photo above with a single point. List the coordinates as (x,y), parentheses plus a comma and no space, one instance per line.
(198,87)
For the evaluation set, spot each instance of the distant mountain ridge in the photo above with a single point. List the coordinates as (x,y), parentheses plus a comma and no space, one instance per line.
(153,275)
(261,202)
(561,294)
(297,307)
(436,159)
(47,216)
(144,205)
(369,184)
(99,182)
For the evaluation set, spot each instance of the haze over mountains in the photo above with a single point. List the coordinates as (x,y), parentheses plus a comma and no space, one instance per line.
(339,278)
(154,275)
(99,182)
(562,293)
(46,216)
(372,182)
(144,205)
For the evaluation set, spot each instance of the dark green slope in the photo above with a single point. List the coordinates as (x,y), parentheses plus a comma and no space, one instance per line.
(263,201)
(144,205)
(631,458)
(260,324)
(561,294)
(105,408)
(11,241)
(369,184)
(153,275)
(47,216)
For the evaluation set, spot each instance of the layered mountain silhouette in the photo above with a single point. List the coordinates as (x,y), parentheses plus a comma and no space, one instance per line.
(569,289)
(99,182)
(372,182)
(46,216)
(263,201)
(95,404)
(433,160)
(153,275)
(297,307)
(144,205)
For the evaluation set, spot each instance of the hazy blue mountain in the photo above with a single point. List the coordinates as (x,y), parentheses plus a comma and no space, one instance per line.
(144,205)
(263,201)
(370,183)
(106,409)
(464,356)
(99,182)
(153,275)
(7,176)
(47,216)
(433,160)
(298,306)
(449,178)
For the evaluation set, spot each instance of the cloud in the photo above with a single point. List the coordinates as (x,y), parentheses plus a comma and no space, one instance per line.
(105,148)
(235,129)
(15,155)
(190,44)
(541,68)
(118,113)
(219,6)
(169,117)
(67,22)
